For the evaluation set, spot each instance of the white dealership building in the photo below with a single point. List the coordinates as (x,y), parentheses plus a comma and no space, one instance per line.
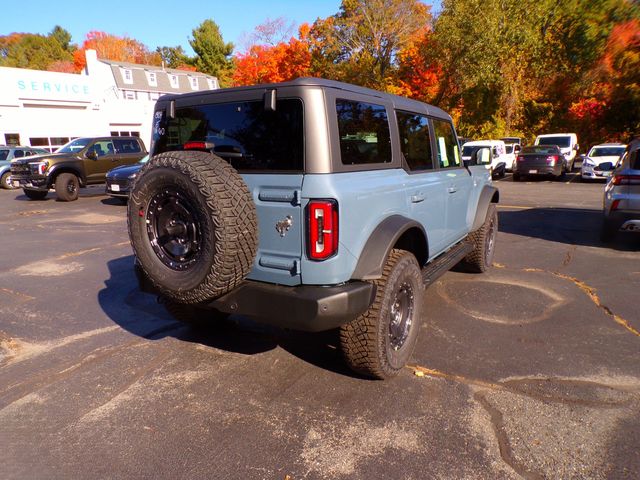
(47,109)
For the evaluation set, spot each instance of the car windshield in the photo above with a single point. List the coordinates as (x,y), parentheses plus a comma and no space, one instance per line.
(606,151)
(74,145)
(469,150)
(144,159)
(4,154)
(541,150)
(563,141)
(510,139)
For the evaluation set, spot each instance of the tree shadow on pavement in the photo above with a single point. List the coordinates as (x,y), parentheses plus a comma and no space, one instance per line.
(572,226)
(140,314)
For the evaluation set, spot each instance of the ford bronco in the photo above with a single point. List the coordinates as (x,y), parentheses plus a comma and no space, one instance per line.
(81,162)
(310,205)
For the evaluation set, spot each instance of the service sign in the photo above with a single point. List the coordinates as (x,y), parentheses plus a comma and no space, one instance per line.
(21,86)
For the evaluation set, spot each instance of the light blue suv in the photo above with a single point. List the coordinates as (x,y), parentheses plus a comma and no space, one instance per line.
(10,153)
(310,205)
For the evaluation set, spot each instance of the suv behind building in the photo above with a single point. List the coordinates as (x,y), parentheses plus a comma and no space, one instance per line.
(81,162)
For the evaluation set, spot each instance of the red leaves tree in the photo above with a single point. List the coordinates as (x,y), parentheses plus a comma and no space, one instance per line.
(112,47)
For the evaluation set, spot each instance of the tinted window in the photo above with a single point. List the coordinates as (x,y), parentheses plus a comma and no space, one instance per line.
(243,133)
(4,154)
(415,141)
(364,133)
(18,153)
(550,150)
(126,146)
(560,141)
(102,147)
(607,152)
(448,148)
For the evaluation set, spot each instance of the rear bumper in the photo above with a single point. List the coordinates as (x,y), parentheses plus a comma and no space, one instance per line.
(539,170)
(307,308)
(628,220)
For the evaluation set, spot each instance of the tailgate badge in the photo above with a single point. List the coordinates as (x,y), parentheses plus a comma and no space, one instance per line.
(283,226)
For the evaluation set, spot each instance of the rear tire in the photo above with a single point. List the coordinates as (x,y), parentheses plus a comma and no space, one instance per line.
(484,241)
(35,194)
(67,187)
(379,343)
(193,225)
(5,182)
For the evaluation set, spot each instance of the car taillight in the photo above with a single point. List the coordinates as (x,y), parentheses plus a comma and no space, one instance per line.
(614,205)
(322,223)
(197,146)
(626,180)
(520,158)
(552,159)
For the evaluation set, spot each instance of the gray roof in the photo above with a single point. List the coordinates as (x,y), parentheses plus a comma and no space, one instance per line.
(141,83)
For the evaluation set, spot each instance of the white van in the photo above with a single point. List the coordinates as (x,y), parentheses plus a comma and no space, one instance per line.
(568,143)
(499,157)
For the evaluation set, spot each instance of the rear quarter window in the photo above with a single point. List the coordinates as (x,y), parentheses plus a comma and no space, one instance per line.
(364,132)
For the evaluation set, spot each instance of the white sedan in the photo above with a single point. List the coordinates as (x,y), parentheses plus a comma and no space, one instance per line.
(601,160)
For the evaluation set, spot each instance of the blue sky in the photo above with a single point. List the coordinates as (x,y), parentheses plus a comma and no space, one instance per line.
(158,22)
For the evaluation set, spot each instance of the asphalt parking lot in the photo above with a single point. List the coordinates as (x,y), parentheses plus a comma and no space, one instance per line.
(529,371)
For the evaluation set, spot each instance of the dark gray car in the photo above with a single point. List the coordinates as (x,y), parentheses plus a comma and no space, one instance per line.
(539,160)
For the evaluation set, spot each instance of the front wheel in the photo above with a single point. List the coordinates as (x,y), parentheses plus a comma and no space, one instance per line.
(484,242)
(379,342)
(67,187)
(5,181)
(35,194)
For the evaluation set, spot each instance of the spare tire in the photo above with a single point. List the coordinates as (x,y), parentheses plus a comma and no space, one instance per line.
(192,225)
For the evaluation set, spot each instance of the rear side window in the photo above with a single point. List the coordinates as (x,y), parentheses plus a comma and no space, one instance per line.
(364,133)
(249,137)
(126,146)
(448,148)
(18,153)
(415,141)
(4,154)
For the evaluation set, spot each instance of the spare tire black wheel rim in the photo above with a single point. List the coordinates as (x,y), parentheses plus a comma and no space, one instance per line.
(401,316)
(174,228)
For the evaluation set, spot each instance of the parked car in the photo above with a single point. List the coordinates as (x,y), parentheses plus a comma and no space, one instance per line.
(10,153)
(621,205)
(601,160)
(311,205)
(499,158)
(539,160)
(511,154)
(568,143)
(81,162)
(120,179)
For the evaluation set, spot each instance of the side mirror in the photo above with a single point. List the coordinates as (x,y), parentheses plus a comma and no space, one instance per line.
(91,155)
(482,156)
(576,147)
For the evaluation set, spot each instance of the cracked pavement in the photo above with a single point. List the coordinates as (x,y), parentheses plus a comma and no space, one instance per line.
(529,371)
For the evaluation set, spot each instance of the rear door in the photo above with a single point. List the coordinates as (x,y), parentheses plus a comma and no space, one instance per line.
(267,148)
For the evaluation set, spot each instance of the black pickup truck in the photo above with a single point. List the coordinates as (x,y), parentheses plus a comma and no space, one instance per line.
(81,162)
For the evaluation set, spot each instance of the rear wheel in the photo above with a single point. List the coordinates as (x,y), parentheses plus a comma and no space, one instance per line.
(379,342)
(67,187)
(35,194)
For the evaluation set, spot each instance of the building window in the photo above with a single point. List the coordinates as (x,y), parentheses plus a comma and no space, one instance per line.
(174,81)
(129,95)
(212,84)
(125,133)
(49,143)
(153,96)
(127,75)
(152,79)
(194,83)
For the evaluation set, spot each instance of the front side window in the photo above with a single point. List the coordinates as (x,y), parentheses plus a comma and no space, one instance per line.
(448,148)
(4,154)
(415,141)
(18,153)
(102,148)
(249,137)
(364,133)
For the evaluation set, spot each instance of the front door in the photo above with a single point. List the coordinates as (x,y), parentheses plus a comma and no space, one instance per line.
(104,160)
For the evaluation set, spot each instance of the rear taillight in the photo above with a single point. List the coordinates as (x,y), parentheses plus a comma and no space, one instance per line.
(322,224)
(552,159)
(520,158)
(626,180)
(614,205)
(197,146)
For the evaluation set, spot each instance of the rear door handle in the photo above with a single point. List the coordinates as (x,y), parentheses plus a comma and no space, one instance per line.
(417,198)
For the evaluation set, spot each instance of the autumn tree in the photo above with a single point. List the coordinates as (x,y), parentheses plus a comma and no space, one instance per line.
(38,52)
(361,42)
(213,54)
(175,57)
(264,63)
(112,47)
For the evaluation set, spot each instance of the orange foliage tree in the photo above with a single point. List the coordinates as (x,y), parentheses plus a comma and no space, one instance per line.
(112,47)
(274,63)
(418,75)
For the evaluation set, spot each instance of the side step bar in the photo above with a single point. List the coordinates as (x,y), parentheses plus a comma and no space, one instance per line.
(445,262)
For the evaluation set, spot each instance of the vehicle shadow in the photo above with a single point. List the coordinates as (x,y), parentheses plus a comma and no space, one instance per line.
(573,226)
(140,314)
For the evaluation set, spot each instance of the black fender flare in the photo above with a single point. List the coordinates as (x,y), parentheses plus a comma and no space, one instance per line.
(383,238)
(489,194)
(59,168)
